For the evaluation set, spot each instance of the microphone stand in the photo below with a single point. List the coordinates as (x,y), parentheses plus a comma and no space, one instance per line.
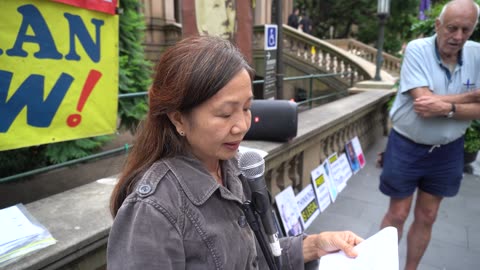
(253,220)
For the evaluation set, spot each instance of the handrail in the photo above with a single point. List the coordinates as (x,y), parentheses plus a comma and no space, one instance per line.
(310,91)
(66,163)
(129,95)
(321,54)
(309,76)
(316,76)
(309,101)
(127,146)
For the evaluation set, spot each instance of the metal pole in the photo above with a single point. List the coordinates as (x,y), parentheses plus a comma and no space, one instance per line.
(64,164)
(279,50)
(352,77)
(381,18)
(310,95)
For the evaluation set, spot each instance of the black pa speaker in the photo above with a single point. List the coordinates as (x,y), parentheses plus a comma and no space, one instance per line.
(273,120)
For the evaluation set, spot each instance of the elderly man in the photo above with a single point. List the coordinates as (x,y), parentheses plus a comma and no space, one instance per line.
(435,102)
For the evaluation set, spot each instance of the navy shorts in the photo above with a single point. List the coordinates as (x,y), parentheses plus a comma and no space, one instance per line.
(408,165)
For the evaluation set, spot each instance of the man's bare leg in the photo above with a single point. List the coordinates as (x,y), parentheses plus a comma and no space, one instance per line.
(419,234)
(397,214)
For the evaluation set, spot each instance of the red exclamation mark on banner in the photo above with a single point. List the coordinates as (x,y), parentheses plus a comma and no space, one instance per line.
(74,119)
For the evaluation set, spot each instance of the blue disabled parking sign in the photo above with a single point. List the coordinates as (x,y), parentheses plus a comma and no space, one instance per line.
(271,34)
(270,75)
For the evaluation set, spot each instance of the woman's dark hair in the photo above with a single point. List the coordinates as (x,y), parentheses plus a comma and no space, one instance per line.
(188,73)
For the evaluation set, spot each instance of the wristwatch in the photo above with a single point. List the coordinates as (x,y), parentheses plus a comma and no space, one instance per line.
(451,113)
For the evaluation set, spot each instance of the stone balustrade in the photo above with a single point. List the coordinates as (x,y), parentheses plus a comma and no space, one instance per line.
(80,221)
(390,63)
(324,130)
(323,56)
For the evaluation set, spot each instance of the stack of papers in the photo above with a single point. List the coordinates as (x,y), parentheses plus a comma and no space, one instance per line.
(20,234)
(379,252)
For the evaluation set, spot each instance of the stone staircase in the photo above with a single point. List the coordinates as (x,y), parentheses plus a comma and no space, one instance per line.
(305,54)
(390,67)
(371,85)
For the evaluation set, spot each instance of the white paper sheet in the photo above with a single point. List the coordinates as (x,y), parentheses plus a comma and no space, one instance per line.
(15,226)
(20,234)
(379,252)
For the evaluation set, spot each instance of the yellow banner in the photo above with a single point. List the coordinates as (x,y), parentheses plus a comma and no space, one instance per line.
(58,73)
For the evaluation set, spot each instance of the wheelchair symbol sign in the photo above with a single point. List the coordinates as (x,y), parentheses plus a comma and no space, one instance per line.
(271,36)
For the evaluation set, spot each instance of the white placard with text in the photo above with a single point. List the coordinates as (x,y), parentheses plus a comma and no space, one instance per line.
(308,206)
(289,213)
(321,181)
(340,170)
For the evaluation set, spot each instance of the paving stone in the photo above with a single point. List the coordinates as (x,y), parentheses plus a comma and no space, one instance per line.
(455,243)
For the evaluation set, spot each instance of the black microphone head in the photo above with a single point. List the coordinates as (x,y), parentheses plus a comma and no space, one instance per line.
(251,164)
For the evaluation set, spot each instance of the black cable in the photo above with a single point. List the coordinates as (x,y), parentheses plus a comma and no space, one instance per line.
(253,221)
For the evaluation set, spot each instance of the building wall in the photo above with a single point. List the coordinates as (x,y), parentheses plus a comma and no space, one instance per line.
(263,11)
(163,28)
(163,20)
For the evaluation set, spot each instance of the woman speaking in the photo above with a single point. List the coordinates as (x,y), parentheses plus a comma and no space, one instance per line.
(178,202)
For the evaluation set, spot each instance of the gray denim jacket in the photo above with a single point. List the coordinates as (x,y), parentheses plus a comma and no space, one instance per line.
(179,217)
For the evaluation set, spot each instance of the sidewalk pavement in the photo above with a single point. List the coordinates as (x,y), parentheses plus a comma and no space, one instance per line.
(360,207)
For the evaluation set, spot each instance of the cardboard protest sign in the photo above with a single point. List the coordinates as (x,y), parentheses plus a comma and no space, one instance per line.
(308,205)
(289,212)
(322,186)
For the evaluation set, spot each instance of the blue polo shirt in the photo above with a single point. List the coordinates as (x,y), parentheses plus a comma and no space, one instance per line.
(422,67)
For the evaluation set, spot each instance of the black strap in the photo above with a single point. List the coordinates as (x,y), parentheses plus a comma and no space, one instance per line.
(253,221)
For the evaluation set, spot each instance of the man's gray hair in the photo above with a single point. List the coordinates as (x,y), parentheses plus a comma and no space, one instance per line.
(442,13)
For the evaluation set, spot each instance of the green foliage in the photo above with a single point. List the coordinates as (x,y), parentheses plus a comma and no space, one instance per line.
(343,15)
(397,26)
(390,103)
(21,160)
(64,151)
(339,16)
(472,137)
(427,27)
(135,71)
(134,76)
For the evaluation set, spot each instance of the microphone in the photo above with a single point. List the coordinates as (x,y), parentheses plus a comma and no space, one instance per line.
(252,166)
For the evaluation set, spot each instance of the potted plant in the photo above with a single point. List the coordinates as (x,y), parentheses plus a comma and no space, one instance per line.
(472,142)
